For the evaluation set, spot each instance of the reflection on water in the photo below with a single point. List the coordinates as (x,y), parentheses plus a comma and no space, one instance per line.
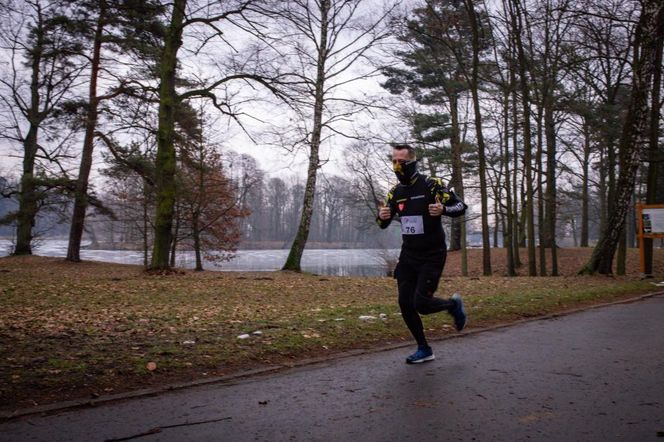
(339,262)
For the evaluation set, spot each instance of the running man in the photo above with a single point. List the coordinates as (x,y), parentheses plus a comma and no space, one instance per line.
(420,201)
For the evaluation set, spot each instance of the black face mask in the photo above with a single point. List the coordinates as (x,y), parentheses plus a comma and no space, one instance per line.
(405,172)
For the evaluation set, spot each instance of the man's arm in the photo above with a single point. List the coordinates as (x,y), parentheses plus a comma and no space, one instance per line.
(389,203)
(452,205)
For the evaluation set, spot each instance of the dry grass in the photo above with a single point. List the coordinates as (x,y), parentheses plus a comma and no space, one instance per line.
(74,330)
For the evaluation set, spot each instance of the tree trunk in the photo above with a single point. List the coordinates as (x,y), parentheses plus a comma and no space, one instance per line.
(622,253)
(297,249)
(27,198)
(81,191)
(145,227)
(522,219)
(474,85)
(496,218)
(655,155)
(551,192)
(611,175)
(631,224)
(457,172)
(197,244)
(541,225)
(527,144)
(603,213)
(174,240)
(549,80)
(648,32)
(165,162)
(584,189)
(515,182)
(509,230)
(457,178)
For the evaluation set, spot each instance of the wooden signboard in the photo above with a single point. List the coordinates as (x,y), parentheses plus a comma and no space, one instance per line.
(650,219)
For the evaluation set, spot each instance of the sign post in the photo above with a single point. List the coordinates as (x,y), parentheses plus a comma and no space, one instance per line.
(650,219)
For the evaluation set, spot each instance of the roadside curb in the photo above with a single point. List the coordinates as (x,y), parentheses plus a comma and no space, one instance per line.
(244,375)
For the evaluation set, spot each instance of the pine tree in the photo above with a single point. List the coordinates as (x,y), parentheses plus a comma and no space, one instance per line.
(103,26)
(39,81)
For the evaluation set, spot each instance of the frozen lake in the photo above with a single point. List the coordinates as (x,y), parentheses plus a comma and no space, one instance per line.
(339,262)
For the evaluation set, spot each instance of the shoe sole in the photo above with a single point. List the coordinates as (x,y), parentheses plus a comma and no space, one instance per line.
(457,297)
(419,361)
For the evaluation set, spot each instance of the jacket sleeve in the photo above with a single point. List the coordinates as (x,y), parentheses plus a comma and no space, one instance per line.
(389,202)
(453,206)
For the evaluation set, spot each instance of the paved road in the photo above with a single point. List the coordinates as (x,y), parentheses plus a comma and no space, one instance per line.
(591,376)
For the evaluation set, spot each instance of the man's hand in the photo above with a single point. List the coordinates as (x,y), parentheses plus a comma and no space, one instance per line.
(384,212)
(436,209)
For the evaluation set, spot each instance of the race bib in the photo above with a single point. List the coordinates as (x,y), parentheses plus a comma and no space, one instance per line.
(412,225)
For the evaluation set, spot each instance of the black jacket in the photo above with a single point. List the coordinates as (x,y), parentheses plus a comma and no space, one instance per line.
(421,231)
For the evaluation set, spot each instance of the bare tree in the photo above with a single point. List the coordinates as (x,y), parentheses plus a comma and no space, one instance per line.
(649,31)
(475,27)
(327,40)
(516,14)
(655,152)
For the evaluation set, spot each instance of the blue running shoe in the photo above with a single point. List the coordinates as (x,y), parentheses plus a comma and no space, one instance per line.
(459,313)
(423,354)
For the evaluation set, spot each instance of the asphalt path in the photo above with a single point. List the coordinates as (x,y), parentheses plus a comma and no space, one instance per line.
(595,375)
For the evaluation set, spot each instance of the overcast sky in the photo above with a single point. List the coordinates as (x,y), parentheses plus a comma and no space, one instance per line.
(274,160)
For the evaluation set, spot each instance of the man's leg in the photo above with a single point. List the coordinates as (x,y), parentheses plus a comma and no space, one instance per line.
(408,310)
(427,283)
(413,321)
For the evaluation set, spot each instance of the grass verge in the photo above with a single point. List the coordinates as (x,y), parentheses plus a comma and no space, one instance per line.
(71,331)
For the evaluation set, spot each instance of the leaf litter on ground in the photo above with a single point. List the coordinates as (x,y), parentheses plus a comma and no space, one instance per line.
(75,330)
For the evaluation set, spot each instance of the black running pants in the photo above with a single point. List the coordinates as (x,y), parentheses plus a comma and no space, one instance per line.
(417,277)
